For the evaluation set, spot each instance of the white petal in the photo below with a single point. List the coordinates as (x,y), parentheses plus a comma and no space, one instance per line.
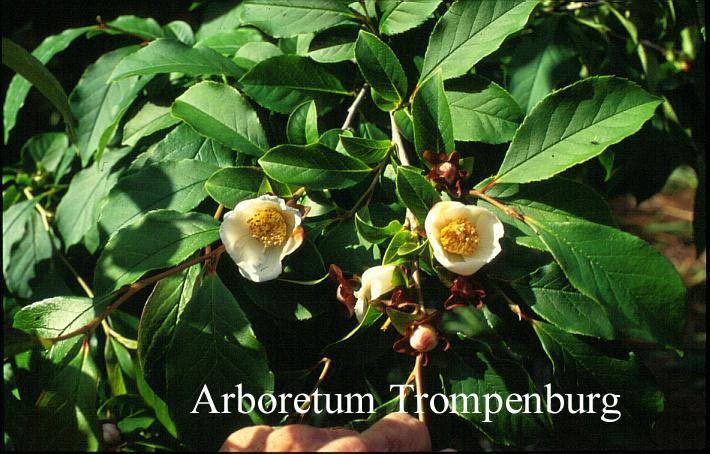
(488,226)
(360,309)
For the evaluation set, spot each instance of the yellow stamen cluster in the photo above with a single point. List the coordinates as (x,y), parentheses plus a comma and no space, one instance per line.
(459,237)
(268,226)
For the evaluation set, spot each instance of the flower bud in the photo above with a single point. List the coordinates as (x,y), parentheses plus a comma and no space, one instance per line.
(424,338)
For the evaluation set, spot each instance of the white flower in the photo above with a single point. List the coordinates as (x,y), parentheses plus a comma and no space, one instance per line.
(463,237)
(259,233)
(376,281)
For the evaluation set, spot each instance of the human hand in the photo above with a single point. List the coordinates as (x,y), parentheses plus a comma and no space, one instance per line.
(395,432)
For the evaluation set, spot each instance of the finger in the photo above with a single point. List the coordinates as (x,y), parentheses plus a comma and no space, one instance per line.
(300,438)
(249,439)
(397,432)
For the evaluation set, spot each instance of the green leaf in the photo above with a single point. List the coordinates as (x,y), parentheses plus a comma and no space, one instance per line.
(398,16)
(343,246)
(174,185)
(99,105)
(416,192)
(469,31)
(581,365)
(479,374)
(252,53)
(284,18)
(282,83)
(539,64)
(159,239)
(382,70)
(482,111)
(55,316)
(219,112)
(34,247)
(334,45)
(14,224)
(641,290)
(78,211)
(228,42)
(302,126)
(551,296)
(369,151)
(171,56)
(218,17)
(145,27)
(573,125)
(181,31)
(66,409)
(160,316)
(151,118)
(313,166)
(375,234)
(31,68)
(184,143)
(432,123)
(50,152)
(213,347)
(19,86)
(231,185)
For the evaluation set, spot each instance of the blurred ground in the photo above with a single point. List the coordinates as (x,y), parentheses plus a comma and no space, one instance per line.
(665,221)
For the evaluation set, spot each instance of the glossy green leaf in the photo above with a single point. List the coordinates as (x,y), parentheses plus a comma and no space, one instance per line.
(144,27)
(313,166)
(416,192)
(482,111)
(174,185)
(573,125)
(641,290)
(551,296)
(78,211)
(334,45)
(171,56)
(369,151)
(160,316)
(55,316)
(66,409)
(431,118)
(184,143)
(51,152)
(151,118)
(282,83)
(181,31)
(14,223)
(213,347)
(469,31)
(228,42)
(284,18)
(19,86)
(398,16)
(540,64)
(381,69)
(478,374)
(219,112)
(250,54)
(581,365)
(231,185)
(302,126)
(375,234)
(159,239)
(99,105)
(35,246)
(218,17)
(32,70)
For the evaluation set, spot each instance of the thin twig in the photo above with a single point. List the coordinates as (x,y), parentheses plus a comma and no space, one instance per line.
(419,381)
(352,110)
(510,211)
(411,220)
(327,362)
(132,290)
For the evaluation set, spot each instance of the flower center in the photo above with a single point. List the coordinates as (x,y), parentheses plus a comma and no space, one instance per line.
(268,226)
(459,237)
